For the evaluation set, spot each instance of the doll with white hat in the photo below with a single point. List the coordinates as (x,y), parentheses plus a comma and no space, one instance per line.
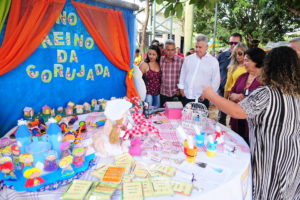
(107,143)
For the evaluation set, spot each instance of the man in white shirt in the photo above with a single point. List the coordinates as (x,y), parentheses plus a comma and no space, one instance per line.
(198,69)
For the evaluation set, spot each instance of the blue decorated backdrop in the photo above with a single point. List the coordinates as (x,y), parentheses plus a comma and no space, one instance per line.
(67,66)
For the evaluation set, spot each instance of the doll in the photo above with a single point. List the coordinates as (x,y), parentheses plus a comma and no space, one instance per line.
(50,162)
(5,142)
(65,149)
(7,169)
(69,137)
(78,154)
(33,177)
(65,165)
(6,151)
(15,150)
(26,159)
(107,143)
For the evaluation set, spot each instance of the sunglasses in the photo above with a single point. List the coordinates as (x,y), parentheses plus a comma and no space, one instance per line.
(231,43)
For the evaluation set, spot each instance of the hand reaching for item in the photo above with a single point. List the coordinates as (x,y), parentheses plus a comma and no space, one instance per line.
(207,92)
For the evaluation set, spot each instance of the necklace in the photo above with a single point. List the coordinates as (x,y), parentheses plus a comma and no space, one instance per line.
(250,79)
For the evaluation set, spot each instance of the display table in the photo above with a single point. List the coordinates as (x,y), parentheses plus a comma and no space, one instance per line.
(224,176)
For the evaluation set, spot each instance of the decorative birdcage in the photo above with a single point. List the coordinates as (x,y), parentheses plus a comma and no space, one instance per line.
(194,113)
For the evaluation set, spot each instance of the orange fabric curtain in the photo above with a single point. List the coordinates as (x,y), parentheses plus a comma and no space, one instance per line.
(28,24)
(107,27)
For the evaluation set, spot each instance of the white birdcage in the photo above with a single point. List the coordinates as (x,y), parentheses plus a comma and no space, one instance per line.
(194,113)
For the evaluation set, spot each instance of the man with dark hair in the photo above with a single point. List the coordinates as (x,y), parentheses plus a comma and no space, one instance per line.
(154,42)
(192,50)
(161,47)
(224,60)
(170,66)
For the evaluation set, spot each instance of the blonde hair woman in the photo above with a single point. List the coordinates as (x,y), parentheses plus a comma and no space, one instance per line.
(236,67)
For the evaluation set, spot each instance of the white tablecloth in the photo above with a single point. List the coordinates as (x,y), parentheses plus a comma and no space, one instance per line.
(233,183)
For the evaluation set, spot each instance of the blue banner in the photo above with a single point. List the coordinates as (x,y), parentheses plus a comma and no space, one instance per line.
(68,66)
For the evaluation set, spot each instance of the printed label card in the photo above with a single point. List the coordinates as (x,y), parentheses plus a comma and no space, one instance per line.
(147,186)
(181,187)
(102,191)
(77,189)
(126,157)
(154,173)
(132,191)
(126,166)
(128,177)
(140,170)
(126,161)
(99,173)
(162,187)
(113,174)
(167,170)
(104,188)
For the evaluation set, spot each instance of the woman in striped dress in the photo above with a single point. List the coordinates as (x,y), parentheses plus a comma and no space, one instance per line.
(273,115)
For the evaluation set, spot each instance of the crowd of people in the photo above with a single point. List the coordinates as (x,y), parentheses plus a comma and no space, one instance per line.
(259,90)
(175,79)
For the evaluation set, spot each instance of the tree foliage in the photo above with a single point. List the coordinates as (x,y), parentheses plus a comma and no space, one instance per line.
(262,20)
(176,7)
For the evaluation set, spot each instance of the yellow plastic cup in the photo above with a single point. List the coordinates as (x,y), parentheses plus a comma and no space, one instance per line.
(210,153)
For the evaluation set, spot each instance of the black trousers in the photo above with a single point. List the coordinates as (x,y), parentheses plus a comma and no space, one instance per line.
(221,115)
(164,99)
(186,101)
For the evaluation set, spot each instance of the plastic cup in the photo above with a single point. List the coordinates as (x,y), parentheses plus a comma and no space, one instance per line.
(200,139)
(211,148)
(191,154)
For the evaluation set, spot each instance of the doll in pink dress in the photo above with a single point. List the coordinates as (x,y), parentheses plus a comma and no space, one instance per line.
(78,154)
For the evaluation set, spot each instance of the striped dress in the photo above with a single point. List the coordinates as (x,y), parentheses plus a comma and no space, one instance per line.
(274,133)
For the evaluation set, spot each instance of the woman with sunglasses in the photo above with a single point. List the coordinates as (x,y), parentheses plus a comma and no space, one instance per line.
(244,85)
(236,67)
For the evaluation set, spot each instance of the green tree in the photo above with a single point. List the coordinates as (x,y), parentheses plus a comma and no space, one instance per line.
(262,20)
(172,8)
(176,7)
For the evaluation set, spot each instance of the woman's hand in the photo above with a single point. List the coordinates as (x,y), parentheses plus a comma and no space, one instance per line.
(207,92)
(236,97)
(144,67)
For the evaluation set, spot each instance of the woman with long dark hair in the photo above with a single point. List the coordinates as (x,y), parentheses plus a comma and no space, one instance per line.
(152,75)
(273,115)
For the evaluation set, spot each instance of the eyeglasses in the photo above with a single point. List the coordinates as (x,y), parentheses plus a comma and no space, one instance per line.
(231,43)
(240,53)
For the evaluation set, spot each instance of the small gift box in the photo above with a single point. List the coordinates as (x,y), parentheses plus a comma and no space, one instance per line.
(173,110)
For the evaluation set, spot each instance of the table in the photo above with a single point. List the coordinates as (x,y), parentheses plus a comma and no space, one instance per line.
(234,182)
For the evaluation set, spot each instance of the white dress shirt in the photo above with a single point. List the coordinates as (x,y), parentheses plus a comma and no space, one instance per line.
(196,72)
